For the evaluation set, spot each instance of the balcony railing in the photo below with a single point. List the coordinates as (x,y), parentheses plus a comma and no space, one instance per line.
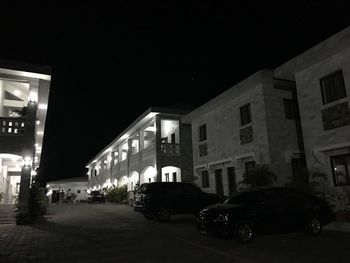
(12,126)
(170,148)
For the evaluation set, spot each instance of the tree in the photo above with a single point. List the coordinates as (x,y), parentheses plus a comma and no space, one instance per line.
(261,176)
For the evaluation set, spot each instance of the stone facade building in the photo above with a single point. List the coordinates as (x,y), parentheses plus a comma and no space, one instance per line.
(154,148)
(322,79)
(294,115)
(254,122)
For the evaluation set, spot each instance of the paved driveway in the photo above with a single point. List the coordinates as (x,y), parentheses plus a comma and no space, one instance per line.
(115,233)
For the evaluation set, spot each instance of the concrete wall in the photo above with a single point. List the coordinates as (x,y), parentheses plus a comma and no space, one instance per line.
(282,132)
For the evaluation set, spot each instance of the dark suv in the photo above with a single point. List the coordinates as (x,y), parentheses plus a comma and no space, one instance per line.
(162,199)
(96,196)
(265,211)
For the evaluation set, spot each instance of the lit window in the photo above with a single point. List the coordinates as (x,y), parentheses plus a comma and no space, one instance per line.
(10,123)
(341,165)
(9,130)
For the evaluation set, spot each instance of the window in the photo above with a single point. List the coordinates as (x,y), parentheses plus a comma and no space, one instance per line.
(205,179)
(202,133)
(340,169)
(203,149)
(290,109)
(245,114)
(333,87)
(250,166)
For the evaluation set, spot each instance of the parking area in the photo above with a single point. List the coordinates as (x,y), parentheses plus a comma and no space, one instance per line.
(115,233)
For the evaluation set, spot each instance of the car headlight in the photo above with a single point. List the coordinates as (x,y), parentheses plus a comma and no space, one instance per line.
(221,218)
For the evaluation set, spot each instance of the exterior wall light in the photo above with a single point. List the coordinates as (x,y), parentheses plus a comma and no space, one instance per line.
(27,161)
(33,96)
(37,122)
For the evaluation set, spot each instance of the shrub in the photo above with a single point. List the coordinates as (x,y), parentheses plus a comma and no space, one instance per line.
(117,194)
(308,181)
(37,204)
(260,177)
(338,201)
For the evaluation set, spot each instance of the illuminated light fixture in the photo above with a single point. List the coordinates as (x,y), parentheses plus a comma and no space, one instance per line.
(36,145)
(37,122)
(124,137)
(151,128)
(105,161)
(40,133)
(27,161)
(42,106)
(33,96)
(151,114)
(17,93)
(33,173)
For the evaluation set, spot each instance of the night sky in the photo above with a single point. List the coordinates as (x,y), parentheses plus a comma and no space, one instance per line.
(110,62)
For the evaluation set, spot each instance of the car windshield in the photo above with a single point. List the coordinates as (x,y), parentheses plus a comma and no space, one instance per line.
(241,198)
(143,188)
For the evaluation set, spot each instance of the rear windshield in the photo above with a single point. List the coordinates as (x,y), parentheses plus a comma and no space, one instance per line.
(143,189)
(242,198)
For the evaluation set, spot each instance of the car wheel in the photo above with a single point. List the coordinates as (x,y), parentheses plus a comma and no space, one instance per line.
(163,215)
(244,232)
(148,215)
(313,226)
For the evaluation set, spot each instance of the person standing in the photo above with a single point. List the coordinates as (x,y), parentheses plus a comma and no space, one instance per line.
(61,197)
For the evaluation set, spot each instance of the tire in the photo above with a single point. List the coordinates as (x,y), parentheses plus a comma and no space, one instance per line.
(163,215)
(148,215)
(313,226)
(244,232)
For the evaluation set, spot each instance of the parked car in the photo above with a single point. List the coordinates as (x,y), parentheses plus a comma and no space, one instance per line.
(163,199)
(96,196)
(270,210)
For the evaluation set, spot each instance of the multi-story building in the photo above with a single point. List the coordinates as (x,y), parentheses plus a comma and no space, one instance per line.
(156,147)
(322,79)
(24,91)
(254,122)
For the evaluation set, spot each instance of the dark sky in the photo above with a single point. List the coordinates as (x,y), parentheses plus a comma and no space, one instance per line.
(111,62)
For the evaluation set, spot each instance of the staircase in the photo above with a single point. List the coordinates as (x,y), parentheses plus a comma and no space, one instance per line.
(7,214)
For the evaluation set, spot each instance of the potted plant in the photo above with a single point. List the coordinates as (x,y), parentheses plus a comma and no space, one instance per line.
(339,203)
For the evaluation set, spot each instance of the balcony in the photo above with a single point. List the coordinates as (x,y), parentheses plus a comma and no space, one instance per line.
(12,126)
(170,148)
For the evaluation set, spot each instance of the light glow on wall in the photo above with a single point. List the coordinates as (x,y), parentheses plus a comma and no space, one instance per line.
(17,93)
(149,175)
(42,106)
